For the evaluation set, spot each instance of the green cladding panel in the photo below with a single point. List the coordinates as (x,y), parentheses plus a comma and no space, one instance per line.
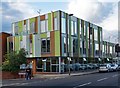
(43,35)
(78,23)
(32,20)
(20,27)
(49,22)
(17,43)
(33,45)
(57,43)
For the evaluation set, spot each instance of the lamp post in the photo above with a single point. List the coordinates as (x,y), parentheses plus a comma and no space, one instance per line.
(69,59)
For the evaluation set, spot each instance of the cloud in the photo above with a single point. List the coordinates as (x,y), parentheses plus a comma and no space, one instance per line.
(15,11)
(104,14)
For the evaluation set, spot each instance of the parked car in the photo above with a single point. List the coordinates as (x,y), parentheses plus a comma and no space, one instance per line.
(77,66)
(95,66)
(105,67)
(118,67)
(89,66)
(114,67)
(83,67)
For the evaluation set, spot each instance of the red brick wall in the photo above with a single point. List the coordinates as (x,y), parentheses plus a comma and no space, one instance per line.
(8,75)
(3,45)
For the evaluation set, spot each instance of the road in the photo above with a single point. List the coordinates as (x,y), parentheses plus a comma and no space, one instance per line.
(101,80)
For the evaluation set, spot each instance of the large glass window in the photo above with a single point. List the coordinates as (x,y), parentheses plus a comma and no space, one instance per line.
(46,24)
(65,45)
(30,46)
(75,28)
(63,25)
(72,28)
(95,34)
(32,27)
(97,49)
(43,45)
(55,24)
(75,45)
(42,26)
(48,44)
(16,30)
(110,49)
(88,32)
(96,46)
(80,29)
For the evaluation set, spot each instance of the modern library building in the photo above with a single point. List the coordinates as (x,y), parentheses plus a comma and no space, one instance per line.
(56,39)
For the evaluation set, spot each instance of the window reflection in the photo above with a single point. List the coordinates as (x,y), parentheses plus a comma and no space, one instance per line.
(63,25)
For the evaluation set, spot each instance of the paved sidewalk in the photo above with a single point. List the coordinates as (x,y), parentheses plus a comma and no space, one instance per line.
(65,74)
(42,77)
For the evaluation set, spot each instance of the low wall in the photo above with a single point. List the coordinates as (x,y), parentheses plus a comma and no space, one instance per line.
(8,75)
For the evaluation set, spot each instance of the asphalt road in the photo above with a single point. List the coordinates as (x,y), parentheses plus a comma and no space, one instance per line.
(101,80)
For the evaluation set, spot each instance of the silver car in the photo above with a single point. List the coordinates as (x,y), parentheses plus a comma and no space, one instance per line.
(105,68)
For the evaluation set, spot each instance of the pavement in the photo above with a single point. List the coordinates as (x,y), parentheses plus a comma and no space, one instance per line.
(44,77)
(75,73)
(90,80)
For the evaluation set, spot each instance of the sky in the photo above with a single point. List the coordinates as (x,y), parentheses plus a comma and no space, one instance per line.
(103,13)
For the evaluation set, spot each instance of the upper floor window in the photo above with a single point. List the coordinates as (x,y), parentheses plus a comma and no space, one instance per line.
(111,49)
(95,34)
(16,30)
(45,45)
(32,27)
(42,26)
(55,24)
(72,28)
(75,26)
(80,29)
(65,45)
(46,24)
(63,25)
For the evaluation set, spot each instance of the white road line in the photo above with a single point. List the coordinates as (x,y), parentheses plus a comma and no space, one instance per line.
(11,84)
(114,75)
(102,79)
(82,85)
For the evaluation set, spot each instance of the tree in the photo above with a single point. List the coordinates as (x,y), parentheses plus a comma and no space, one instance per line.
(13,60)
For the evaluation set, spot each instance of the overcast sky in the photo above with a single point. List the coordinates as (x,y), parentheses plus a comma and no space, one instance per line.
(100,12)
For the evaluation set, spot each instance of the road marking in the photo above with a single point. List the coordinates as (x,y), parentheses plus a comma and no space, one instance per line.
(114,75)
(83,85)
(102,79)
(11,84)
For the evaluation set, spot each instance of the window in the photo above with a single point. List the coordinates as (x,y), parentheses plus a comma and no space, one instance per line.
(100,36)
(10,46)
(110,49)
(95,35)
(88,32)
(45,45)
(75,45)
(30,46)
(55,24)
(103,49)
(75,28)
(43,26)
(80,29)
(48,44)
(65,46)
(72,28)
(84,29)
(96,46)
(46,24)
(16,29)
(63,25)
(32,27)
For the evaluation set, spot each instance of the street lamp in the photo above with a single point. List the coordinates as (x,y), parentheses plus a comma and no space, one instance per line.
(69,59)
